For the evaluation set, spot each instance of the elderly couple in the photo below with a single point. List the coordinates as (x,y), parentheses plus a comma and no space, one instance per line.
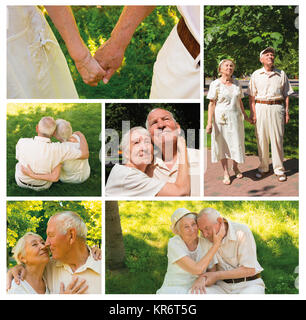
(173,171)
(74,268)
(269,91)
(33,47)
(222,260)
(42,162)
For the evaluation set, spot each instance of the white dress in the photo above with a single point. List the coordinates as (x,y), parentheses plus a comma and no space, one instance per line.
(177,280)
(36,66)
(227,138)
(24,288)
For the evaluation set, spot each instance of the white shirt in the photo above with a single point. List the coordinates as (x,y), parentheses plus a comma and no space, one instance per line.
(191,16)
(42,155)
(163,173)
(75,171)
(24,288)
(130,182)
(57,272)
(176,277)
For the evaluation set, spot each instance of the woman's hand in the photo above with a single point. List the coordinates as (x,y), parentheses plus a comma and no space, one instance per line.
(27,171)
(217,237)
(209,128)
(198,287)
(90,70)
(96,253)
(76,286)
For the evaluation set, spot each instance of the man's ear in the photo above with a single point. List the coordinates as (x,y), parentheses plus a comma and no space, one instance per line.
(72,234)
(220,220)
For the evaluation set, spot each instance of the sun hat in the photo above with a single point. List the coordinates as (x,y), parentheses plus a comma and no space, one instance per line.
(268,49)
(177,215)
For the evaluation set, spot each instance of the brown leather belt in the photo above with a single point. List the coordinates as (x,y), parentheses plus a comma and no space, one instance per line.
(279,101)
(32,185)
(190,43)
(257,276)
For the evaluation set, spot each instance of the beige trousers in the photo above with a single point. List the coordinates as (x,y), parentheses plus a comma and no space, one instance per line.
(176,74)
(270,129)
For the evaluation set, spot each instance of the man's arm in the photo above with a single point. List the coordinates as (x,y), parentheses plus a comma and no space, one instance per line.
(64,21)
(111,52)
(52,177)
(252,109)
(287,117)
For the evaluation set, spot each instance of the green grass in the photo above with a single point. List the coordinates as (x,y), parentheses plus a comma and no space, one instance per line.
(291,139)
(21,123)
(146,231)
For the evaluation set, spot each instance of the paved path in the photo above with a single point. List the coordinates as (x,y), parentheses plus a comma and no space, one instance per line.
(249,185)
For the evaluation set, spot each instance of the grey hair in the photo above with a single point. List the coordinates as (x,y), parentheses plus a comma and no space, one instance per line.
(147,120)
(177,228)
(125,141)
(46,126)
(68,219)
(210,213)
(19,249)
(63,129)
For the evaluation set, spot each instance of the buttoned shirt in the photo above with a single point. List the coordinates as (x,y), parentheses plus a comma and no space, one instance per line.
(57,272)
(238,249)
(272,85)
(163,173)
(42,155)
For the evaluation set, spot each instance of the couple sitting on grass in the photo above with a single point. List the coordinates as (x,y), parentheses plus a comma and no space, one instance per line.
(42,162)
(222,260)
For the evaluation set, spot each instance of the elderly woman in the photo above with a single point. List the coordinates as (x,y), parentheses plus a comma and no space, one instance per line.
(70,171)
(225,120)
(31,251)
(133,178)
(188,254)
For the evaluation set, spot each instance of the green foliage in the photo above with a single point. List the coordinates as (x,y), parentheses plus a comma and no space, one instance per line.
(146,232)
(33,216)
(85,117)
(241,32)
(133,79)
(291,138)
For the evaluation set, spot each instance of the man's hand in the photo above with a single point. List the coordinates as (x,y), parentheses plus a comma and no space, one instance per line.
(76,286)
(211,278)
(16,273)
(110,56)
(287,117)
(198,287)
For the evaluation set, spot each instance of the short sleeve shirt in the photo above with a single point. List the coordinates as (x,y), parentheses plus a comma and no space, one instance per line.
(222,93)
(130,182)
(238,249)
(269,86)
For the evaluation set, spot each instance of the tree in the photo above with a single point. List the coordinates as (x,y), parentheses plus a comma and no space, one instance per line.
(115,252)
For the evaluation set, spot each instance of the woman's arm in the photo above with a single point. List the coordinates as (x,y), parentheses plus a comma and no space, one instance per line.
(246,118)
(181,187)
(199,267)
(64,21)
(52,177)
(211,111)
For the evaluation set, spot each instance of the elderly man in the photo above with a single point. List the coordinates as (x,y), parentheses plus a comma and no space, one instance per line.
(71,257)
(176,72)
(43,156)
(164,132)
(237,270)
(269,91)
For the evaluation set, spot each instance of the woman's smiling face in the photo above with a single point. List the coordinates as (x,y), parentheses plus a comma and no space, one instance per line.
(35,251)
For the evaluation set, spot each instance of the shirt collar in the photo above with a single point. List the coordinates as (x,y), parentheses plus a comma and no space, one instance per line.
(90,263)
(274,71)
(231,234)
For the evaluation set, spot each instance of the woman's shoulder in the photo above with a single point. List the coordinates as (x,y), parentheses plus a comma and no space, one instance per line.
(215,82)
(176,241)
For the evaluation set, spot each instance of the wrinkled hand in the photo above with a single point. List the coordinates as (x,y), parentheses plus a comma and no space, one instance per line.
(16,273)
(209,129)
(198,287)
(109,57)
(217,237)
(96,253)
(90,70)
(210,278)
(76,286)
(287,117)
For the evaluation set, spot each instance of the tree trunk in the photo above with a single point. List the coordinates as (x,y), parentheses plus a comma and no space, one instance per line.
(115,253)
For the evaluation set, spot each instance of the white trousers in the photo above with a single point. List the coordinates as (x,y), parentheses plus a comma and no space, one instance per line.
(176,75)
(270,121)
(247,287)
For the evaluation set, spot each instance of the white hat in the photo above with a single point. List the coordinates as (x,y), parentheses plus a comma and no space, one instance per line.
(177,215)
(269,49)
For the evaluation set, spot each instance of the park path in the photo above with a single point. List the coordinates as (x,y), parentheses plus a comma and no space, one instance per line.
(249,185)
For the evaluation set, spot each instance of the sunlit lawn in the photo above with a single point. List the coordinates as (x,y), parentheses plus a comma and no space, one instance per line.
(133,79)
(291,139)
(21,123)
(146,231)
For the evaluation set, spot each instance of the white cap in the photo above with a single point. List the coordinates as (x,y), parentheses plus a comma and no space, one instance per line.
(177,215)
(268,49)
